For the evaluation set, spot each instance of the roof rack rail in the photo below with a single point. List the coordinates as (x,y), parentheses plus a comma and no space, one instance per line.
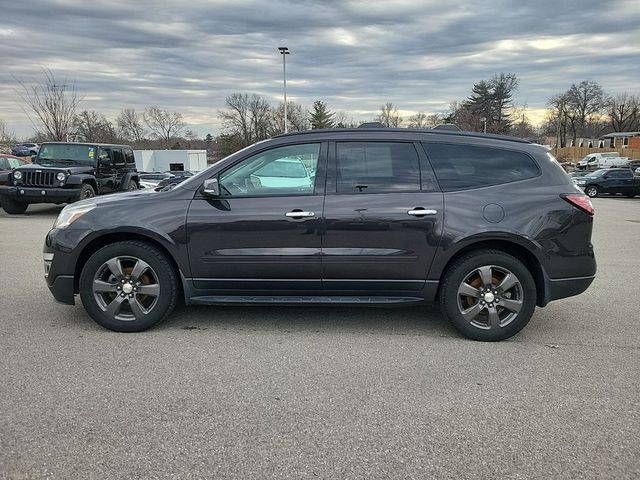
(427,131)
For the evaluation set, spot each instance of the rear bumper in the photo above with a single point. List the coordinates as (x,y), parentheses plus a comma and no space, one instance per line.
(555,289)
(40,195)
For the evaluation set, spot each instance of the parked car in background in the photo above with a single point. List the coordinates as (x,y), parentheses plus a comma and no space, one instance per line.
(610,180)
(578,173)
(9,162)
(154,178)
(486,225)
(633,165)
(176,178)
(25,149)
(65,172)
(594,161)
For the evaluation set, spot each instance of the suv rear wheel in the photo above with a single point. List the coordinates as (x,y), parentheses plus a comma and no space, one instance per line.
(488,295)
(128,286)
(12,207)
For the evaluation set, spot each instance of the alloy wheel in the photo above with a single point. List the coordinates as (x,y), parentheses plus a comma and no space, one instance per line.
(126,288)
(490,297)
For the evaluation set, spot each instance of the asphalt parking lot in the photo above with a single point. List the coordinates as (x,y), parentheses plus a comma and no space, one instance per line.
(321,393)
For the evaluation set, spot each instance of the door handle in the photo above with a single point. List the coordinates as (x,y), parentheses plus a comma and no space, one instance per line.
(299,214)
(421,211)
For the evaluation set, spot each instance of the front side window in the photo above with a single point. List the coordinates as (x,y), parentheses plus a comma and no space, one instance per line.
(373,167)
(459,167)
(289,170)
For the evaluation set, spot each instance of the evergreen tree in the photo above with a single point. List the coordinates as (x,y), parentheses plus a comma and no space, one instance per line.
(320,117)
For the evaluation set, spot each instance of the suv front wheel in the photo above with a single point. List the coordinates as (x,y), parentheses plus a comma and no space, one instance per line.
(128,286)
(488,295)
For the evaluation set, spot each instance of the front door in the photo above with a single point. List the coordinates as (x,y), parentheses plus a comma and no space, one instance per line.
(263,233)
(383,214)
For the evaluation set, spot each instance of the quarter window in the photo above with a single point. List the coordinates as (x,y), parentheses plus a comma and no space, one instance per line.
(372,167)
(459,167)
(289,170)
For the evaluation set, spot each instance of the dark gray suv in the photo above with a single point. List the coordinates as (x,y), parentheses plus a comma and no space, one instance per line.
(487,226)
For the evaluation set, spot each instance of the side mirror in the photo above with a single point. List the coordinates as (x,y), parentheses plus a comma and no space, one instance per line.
(33,158)
(104,161)
(211,187)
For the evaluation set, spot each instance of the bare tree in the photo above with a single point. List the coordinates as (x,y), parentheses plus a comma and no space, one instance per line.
(342,119)
(51,106)
(584,102)
(131,126)
(247,118)
(435,119)
(624,112)
(419,120)
(297,118)
(91,126)
(6,136)
(164,125)
(389,115)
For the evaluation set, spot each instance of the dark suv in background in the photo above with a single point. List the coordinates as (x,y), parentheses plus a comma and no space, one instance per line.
(65,172)
(488,226)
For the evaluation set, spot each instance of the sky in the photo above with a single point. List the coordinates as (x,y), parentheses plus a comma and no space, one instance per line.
(354,55)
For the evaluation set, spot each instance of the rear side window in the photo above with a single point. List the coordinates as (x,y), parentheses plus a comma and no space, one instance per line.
(459,167)
(118,157)
(372,167)
(128,155)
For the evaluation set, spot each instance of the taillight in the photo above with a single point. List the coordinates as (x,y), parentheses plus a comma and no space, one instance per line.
(582,202)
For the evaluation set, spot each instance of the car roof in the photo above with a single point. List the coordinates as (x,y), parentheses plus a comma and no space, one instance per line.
(86,143)
(390,132)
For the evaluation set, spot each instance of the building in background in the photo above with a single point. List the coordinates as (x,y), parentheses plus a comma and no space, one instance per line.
(170,160)
(622,140)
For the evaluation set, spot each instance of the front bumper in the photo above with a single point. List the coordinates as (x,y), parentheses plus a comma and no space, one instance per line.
(40,195)
(60,255)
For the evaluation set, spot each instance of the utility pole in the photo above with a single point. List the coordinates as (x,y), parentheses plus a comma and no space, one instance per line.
(284,51)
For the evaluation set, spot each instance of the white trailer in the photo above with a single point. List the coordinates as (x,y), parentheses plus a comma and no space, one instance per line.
(170,160)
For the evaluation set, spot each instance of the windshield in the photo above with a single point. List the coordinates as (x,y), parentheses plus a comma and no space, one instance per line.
(62,154)
(597,173)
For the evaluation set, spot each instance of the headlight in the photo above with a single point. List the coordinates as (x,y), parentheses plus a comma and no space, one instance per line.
(61,176)
(70,214)
(17,175)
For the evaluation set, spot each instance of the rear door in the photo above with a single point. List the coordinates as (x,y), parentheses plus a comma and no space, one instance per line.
(383,218)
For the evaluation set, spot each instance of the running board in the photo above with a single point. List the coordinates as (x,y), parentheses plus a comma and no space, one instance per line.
(302,300)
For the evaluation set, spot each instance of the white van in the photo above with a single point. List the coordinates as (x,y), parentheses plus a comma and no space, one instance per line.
(594,161)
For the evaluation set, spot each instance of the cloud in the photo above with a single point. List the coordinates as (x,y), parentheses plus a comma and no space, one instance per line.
(355,55)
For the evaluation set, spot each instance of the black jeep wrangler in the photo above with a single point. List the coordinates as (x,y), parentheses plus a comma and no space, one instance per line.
(65,172)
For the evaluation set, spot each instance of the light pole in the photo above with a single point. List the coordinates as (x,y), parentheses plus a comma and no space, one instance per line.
(484,124)
(284,51)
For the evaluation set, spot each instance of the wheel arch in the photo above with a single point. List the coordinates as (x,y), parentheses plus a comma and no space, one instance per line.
(517,250)
(109,238)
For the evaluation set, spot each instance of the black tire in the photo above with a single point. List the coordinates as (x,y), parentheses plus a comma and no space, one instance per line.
(164,278)
(12,207)
(591,191)
(508,322)
(132,185)
(631,195)
(87,191)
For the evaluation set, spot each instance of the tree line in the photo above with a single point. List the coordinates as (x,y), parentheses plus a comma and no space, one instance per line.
(584,110)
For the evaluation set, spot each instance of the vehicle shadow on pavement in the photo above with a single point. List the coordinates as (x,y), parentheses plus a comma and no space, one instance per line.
(50,211)
(418,320)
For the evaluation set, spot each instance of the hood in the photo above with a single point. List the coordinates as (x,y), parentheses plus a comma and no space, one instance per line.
(119,197)
(70,169)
